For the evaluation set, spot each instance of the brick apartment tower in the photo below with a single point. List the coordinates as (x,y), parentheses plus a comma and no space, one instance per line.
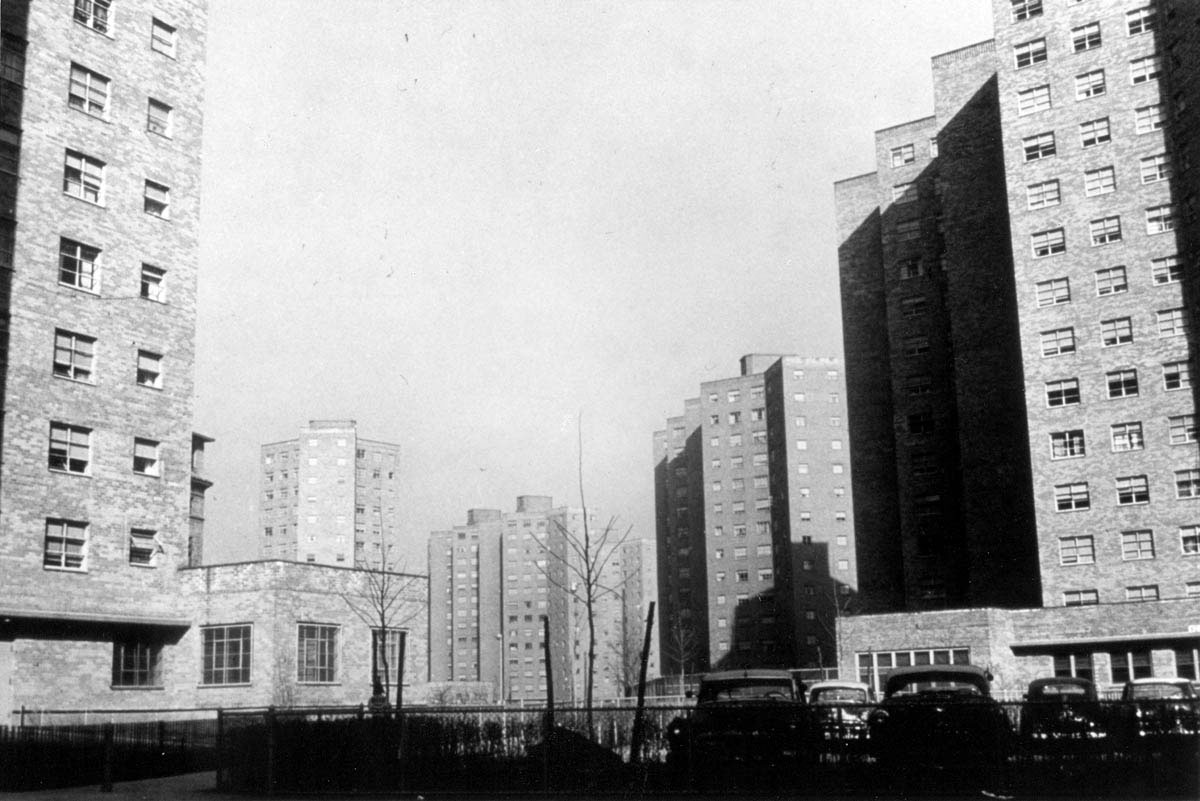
(492,580)
(100,123)
(755,526)
(330,497)
(1019,284)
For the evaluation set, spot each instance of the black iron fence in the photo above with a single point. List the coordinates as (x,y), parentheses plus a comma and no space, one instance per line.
(1132,750)
(63,752)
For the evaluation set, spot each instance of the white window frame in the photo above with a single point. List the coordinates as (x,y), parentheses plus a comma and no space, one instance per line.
(88,91)
(1033,100)
(1090,84)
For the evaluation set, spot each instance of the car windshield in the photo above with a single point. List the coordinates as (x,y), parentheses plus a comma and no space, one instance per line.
(947,686)
(1140,691)
(835,695)
(745,690)
(1061,690)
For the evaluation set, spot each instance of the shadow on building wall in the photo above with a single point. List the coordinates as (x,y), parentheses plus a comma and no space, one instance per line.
(14,15)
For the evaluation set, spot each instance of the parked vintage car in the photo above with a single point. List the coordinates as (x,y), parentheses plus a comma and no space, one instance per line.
(939,717)
(1157,707)
(838,711)
(1062,710)
(743,718)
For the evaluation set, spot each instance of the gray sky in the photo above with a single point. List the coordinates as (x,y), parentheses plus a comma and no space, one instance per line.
(462,224)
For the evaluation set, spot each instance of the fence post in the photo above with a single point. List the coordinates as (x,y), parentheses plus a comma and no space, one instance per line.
(106,784)
(635,744)
(270,750)
(22,716)
(220,748)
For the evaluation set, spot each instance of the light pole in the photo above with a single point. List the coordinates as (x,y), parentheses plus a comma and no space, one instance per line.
(500,666)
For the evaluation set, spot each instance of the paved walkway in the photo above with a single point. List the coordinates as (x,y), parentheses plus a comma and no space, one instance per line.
(187,786)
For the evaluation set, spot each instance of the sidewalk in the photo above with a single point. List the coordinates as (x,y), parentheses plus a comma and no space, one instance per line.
(187,786)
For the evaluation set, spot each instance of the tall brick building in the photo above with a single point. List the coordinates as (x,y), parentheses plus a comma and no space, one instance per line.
(330,497)
(492,580)
(755,526)
(1018,289)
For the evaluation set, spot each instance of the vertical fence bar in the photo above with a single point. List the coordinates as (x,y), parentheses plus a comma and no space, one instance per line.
(106,783)
(270,751)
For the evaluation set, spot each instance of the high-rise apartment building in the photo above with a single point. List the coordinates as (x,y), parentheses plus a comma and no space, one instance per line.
(1018,283)
(755,526)
(330,497)
(100,123)
(493,580)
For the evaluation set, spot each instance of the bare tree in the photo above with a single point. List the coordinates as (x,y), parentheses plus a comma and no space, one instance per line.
(842,603)
(587,558)
(386,598)
(682,645)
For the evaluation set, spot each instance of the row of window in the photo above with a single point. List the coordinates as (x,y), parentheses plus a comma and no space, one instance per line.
(1100,181)
(1127,436)
(1038,98)
(84,178)
(1121,383)
(79,267)
(98,16)
(734,418)
(1036,147)
(90,92)
(1137,592)
(75,359)
(1136,545)
(1131,664)
(71,451)
(1083,37)
(1103,231)
(1131,490)
(65,545)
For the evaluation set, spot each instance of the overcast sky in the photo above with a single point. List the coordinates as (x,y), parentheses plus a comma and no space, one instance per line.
(463,224)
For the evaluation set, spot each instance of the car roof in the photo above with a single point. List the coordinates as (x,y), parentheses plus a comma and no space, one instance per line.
(1046,681)
(945,670)
(1160,680)
(847,685)
(756,673)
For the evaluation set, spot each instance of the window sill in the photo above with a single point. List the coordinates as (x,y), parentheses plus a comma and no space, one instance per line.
(68,473)
(65,569)
(222,686)
(78,288)
(137,687)
(147,475)
(143,567)
(105,34)
(74,380)
(158,216)
(96,203)
(319,683)
(98,117)
(160,134)
(148,386)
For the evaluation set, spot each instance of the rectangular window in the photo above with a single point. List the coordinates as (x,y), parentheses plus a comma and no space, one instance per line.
(162,38)
(1132,490)
(1111,281)
(904,193)
(1182,428)
(1064,392)
(88,91)
(1094,132)
(1058,341)
(1026,9)
(1177,375)
(74,355)
(93,14)
(1105,230)
(1145,69)
(1085,37)
(905,154)
(1078,665)
(1187,484)
(1081,598)
(1144,592)
(145,457)
(1160,219)
(1072,497)
(1078,550)
(142,547)
(913,307)
(1048,243)
(152,282)
(1148,118)
(8,243)
(316,653)
(1189,540)
(1127,436)
(910,268)
(1171,323)
(157,200)
(1027,54)
(70,448)
(1041,195)
(1122,383)
(1165,270)
(1039,146)
(149,369)
(1035,99)
(1155,168)
(1141,20)
(916,346)
(1067,444)
(1100,181)
(65,546)
(135,663)
(908,231)
(158,117)
(1128,665)
(83,177)
(1053,292)
(225,654)
(1089,84)
(1118,331)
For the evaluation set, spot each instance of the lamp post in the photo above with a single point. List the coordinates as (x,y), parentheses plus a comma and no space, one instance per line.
(500,666)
